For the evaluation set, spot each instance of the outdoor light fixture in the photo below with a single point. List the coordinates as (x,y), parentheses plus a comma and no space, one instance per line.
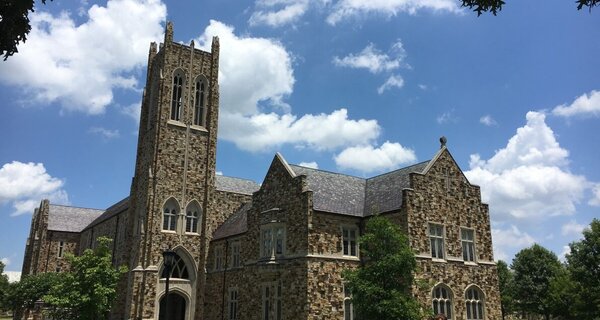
(168,260)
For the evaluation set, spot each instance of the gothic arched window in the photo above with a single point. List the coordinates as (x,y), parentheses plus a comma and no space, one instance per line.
(442,301)
(192,216)
(200,101)
(474,303)
(170,215)
(179,269)
(177,95)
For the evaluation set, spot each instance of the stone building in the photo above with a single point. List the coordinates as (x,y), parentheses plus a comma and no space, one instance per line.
(269,251)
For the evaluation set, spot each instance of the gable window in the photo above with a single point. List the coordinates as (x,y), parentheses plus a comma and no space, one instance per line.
(192,215)
(170,216)
(199,102)
(179,269)
(442,301)
(219,258)
(468,244)
(349,241)
(348,308)
(233,303)
(61,248)
(272,241)
(436,239)
(474,304)
(177,95)
(235,254)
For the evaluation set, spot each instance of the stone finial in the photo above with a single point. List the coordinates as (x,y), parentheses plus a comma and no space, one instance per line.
(169,33)
(192,44)
(215,44)
(443,141)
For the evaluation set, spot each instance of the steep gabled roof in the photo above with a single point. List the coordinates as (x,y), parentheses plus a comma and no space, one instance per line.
(334,192)
(70,219)
(235,185)
(236,224)
(111,212)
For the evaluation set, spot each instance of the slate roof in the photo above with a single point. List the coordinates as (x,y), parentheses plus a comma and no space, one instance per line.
(236,185)
(70,219)
(111,212)
(344,194)
(236,224)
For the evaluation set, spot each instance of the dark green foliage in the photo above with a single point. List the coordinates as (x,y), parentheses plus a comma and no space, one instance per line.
(534,268)
(381,287)
(23,294)
(564,296)
(3,288)
(506,283)
(14,24)
(493,6)
(584,267)
(87,292)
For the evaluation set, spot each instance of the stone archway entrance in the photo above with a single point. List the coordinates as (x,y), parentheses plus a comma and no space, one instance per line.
(177,307)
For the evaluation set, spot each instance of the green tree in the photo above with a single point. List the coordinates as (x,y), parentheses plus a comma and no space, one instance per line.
(14,24)
(87,292)
(493,6)
(3,288)
(534,268)
(564,296)
(506,283)
(23,294)
(381,288)
(584,266)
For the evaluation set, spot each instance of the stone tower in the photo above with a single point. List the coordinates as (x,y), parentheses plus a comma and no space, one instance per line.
(174,179)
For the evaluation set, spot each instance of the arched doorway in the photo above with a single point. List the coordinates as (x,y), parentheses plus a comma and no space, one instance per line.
(176,307)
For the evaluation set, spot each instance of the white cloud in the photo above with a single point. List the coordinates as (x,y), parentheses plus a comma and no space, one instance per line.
(350,8)
(394,81)
(322,131)
(80,65)
(133,111)
(509,239)
(311,164)
(446,117)
(423,87)
(219,173)
(572,228)
(374,60)
(595,200)
(276,13)
(369,159)
(586,104)
(565,251)
(105,133)
(528,177)
(6,261)
(487,120)
(23,185)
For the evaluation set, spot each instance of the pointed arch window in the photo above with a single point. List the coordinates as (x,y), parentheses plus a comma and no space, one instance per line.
(179,270)
(442,301)
(170,215)
(177,95)
(474,304)
(192,216)
(200,101)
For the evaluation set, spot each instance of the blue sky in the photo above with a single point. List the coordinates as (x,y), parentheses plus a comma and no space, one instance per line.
(358,87)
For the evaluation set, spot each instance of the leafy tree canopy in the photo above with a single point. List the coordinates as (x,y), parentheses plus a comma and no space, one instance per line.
(381,287)
(534,268)
(23,294)
(14,24)
(506,283)
(493,6)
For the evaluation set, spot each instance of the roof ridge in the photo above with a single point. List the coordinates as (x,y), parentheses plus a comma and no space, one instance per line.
(64,205)
(245,179)
(396,170)
(328,171)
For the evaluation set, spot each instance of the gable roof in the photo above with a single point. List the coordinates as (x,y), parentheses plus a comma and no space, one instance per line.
(236,224)
(110,212)
(360,197)
(236,185)
(70,219)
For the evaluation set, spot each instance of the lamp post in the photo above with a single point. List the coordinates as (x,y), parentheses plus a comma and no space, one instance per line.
(168,259)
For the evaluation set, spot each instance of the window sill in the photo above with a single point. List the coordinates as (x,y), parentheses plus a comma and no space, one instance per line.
(169,231)
(470,263)
(439,260)
(198,128)
(176,123)
(195,234)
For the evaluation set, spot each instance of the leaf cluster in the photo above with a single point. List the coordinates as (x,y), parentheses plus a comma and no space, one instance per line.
(493,6)
(14,24)
(381,287)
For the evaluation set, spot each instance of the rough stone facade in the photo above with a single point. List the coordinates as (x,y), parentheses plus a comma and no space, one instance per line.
(270,251)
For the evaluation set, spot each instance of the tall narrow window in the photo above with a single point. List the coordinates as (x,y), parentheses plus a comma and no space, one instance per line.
(199,102)
(272,241)
(278,301)
(218,258)
(233,304)
(348,308)
(468,244)
(349,241)
(177,96)
(436,238)
(442,301)
(266,302)
(170,215)
(235,254)
(192,214)
(61,248)
(474,304)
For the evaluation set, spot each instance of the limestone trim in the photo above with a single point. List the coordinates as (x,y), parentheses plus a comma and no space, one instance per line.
(474,300)
(176,123)
(190,218)
(174,210)
(185,287)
